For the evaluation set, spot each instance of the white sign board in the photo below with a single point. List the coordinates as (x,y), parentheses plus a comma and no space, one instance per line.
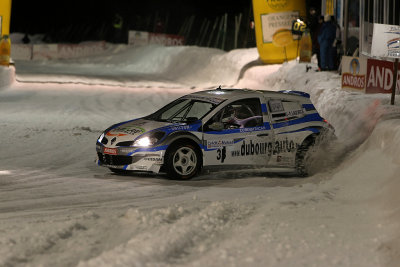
(386,41)
(273,22)
(138,38)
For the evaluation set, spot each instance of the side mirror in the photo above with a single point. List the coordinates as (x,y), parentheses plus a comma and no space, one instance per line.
(216,126)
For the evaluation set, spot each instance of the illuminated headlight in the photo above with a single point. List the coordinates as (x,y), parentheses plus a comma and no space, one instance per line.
(100,138)
(149,140)
(145,141)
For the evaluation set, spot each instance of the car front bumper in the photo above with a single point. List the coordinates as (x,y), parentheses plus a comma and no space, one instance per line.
(128,158)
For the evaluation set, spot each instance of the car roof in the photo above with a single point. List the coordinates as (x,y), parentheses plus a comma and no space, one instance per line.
(226,94)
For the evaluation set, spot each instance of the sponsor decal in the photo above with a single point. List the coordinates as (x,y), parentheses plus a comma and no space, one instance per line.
(110,134)
(158,160)
(380,77)
(110,151)
(180,128)
(295,113)
(352,77)
(265,148)
(252,129)
(133,130)
(219,143)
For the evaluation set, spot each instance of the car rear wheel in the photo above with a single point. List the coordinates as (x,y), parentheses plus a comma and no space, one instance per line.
(183,161)
(304,157)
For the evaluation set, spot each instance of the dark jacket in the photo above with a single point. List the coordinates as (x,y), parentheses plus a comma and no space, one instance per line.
(327,34)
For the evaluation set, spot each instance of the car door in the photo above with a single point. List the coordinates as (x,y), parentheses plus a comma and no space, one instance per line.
(238,134)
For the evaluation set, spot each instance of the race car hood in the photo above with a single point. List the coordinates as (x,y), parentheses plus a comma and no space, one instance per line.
(130,130)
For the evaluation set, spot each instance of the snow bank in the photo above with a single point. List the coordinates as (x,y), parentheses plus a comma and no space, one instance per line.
(153,65)
(7,76)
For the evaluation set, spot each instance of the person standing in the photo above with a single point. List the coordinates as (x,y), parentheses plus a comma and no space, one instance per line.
(336,44)
(314,23)
(326,38)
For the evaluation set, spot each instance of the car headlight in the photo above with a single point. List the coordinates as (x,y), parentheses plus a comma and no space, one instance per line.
(149,140)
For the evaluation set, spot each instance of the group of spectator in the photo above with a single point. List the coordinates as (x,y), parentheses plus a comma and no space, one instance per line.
(325,35)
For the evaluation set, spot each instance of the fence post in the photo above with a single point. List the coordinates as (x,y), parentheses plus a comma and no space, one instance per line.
(224,31)
(212,32)
(238,19)
(396,65)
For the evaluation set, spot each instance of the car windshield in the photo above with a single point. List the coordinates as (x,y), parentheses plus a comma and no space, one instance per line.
(183,110)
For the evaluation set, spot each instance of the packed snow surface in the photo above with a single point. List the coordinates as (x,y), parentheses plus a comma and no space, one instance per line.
(58,208)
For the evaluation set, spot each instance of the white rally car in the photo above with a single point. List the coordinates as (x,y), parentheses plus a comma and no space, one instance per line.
(217,128)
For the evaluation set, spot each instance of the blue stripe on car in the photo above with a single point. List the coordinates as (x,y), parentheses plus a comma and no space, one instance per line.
(264,108)
(308,107)
(265,127)
(310,117)
(314,130)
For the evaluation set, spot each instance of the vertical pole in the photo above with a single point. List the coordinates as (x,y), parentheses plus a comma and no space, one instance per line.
(238,19)
(346,26)
(204,33)
(203,24)
(224,31)
(212,32)
(396,64)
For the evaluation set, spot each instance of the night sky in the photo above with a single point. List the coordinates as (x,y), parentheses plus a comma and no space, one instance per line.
(80,20)
(32,15)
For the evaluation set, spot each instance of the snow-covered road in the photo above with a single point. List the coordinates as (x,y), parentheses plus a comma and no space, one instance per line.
(57,208)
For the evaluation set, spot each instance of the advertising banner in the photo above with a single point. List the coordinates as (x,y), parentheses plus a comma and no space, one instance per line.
(139,38)
(5,13)
(21,51)
(80,50)
(386,41)
(166,39)
(354,72)
(273,25)
(380,77)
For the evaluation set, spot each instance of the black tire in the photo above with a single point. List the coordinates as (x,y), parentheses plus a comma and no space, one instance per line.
(119,171)
(303,157)
(183,161)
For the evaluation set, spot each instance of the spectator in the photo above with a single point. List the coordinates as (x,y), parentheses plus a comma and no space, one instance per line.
(326,38)
(336,44)
(314,24)
(118,24)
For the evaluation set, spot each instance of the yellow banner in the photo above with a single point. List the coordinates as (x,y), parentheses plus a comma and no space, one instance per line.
(329,7)
(5,14)
(273,23)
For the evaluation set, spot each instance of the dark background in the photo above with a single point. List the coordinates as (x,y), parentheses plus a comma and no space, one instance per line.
(76,21)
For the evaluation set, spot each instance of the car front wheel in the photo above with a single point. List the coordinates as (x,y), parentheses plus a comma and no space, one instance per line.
(183,161)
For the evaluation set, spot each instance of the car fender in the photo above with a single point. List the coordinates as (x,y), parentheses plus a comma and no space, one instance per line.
(173,137)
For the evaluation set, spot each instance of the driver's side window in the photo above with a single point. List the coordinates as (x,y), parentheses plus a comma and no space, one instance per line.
(243,113)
